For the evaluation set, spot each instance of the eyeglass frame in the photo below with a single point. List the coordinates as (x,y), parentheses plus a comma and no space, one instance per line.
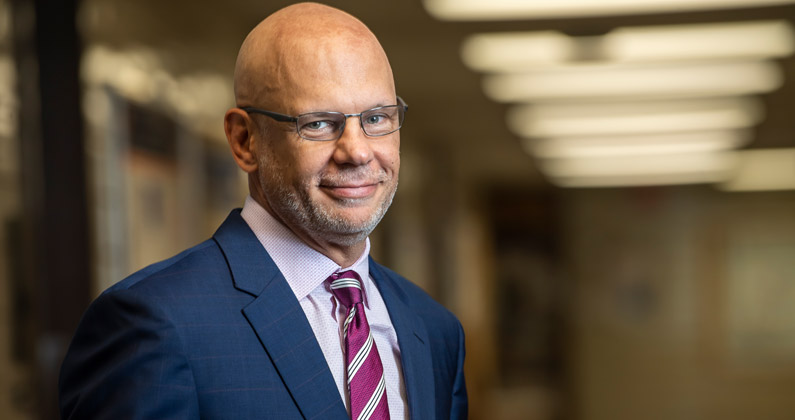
(289,118)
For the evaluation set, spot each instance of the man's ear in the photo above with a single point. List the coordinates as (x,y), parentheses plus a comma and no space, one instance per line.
(239,129)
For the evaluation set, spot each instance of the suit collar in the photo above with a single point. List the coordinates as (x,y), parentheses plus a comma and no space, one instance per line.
(279,322)
(251,267)
(415,351)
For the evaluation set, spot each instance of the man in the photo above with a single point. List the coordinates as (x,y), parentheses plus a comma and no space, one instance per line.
(282,314)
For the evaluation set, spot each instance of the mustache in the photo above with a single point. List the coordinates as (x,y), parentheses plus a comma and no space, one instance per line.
(358,175)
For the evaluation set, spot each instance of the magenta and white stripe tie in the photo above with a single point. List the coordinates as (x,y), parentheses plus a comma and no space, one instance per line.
(366,384)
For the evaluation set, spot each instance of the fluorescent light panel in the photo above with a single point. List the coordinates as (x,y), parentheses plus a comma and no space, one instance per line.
(763,170)
(651,144)
(759,39)
(523,51)
(610,119)
(739,171)
(687,163)
(627,81)
(640,180)
(480,10)
(517,51)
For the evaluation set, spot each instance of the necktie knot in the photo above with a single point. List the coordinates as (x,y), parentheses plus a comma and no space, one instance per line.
(346,287)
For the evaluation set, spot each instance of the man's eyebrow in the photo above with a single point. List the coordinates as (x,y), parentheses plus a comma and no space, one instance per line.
(377,105)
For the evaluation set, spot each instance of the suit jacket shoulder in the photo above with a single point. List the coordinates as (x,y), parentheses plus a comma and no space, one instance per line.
(214,332)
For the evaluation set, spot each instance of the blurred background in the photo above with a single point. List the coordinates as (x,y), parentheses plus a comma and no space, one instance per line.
(602,191)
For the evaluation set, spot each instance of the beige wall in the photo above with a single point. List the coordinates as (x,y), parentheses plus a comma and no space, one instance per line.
(683,303)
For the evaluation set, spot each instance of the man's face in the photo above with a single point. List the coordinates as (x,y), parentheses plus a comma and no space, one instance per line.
(335,191)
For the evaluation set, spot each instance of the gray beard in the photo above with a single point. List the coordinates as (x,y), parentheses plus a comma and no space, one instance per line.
(298,209)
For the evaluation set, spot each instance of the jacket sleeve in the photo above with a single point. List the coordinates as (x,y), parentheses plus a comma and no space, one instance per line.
(126,361)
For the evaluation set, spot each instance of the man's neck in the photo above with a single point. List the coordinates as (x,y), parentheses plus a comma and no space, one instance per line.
(344,256)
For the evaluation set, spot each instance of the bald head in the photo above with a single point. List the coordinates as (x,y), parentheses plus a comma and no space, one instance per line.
(303,49)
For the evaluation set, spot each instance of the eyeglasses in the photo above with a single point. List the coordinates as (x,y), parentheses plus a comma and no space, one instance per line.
(329,125)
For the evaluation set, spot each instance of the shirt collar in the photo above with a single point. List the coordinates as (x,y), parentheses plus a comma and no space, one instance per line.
(303,267)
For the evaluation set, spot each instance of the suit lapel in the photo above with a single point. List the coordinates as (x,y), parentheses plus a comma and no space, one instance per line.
(285,333)
(415,351)
(279,322)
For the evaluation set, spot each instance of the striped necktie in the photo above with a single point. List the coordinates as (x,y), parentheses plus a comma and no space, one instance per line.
(366,385)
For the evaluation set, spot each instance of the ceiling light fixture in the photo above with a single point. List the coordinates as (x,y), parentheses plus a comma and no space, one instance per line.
(610,119)
(755,39)
(651,144)
(480,10)
(514,52)
(627,81)
(715,165)
(763,170)
(517,51)
(640,180)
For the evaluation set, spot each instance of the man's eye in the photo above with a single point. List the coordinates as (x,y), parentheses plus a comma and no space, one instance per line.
(375,119)
(319,125)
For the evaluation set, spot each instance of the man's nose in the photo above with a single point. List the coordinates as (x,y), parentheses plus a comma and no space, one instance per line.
(353,147)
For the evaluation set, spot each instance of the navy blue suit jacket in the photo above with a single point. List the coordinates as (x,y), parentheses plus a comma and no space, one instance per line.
(216,333)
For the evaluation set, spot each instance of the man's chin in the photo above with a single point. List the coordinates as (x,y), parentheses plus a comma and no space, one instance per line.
(347,221)
(353,212)
(352,227)
(363,204)
(351,222)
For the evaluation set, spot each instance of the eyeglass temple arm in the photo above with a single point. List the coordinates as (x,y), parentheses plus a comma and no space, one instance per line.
(275,115)
(402,103)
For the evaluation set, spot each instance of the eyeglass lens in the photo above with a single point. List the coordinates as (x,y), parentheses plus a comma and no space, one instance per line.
(329,125)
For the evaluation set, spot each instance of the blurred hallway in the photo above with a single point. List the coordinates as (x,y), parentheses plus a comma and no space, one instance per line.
(612,254)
